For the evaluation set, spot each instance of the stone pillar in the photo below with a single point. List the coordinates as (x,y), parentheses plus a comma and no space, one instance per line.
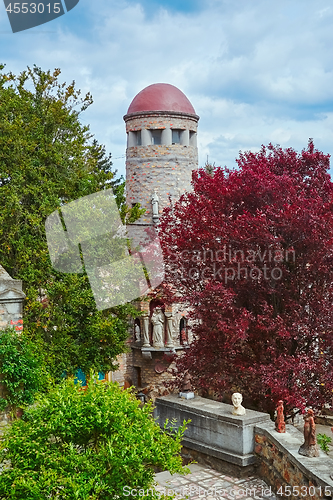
(145,137)
(131,139)
(169,329)
(185,138)
(145,330)
(167,136)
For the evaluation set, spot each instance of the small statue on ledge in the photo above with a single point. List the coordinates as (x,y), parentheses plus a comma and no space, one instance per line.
(280,425)
(309,448)
(237,399)
(186,384)
(186,390)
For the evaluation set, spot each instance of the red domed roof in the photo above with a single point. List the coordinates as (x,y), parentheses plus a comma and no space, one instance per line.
(161,97)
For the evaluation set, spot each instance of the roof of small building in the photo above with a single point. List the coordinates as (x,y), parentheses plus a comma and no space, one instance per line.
(4,275)
(161,97)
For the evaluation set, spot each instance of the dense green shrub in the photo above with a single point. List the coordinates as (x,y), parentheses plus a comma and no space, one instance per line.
(85,444)
(21,373)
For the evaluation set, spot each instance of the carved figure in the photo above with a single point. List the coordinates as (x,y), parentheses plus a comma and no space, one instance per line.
(237,399)
(186,385)
(137,331)
(280,425)
(309,448)
(154,202)
(158,327)
(145,328)
(174,328)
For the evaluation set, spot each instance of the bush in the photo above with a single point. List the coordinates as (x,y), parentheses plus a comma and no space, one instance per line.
(21,372)
(323,441)
(86,444)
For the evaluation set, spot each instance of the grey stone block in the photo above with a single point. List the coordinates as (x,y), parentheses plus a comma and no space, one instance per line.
(213,428)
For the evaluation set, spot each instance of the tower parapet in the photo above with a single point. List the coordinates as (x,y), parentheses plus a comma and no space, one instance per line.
(161,127)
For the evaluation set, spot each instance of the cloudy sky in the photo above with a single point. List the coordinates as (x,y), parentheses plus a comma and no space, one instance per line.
(255,71)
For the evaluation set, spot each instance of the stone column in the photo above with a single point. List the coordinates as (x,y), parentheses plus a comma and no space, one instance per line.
(169,329)
(185,137)
(145,332)
(167,136)
(131,139)
(145,137)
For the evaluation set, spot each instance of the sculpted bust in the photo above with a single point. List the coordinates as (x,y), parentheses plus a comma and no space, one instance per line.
(237,399)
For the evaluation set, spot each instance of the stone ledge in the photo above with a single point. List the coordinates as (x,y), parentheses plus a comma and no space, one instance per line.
(213,429)
(279,457)
(215,409)
(233,458)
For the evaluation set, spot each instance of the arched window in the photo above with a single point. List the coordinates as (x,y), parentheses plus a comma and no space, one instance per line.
(183,332)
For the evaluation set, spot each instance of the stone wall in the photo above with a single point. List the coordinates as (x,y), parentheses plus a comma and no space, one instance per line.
(161,120)
(166,170)
(289,474)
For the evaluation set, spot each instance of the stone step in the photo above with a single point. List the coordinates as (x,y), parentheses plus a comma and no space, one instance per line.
(324,420)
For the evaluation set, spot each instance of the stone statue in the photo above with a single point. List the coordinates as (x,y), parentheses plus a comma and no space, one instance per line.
(237,399)
(186,384)
(280,425)
(158,327)
(137,331)
(154,202)
(309,448)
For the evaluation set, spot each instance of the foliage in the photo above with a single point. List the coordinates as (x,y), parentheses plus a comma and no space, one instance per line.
(86,444)
(250,250)
(21,371)
(323,441)
(47,159)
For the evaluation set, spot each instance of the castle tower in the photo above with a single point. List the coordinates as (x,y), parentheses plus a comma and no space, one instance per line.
(161,154)
(161,127)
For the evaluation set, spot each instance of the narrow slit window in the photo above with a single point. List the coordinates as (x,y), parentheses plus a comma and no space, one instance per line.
(138,138)
(176,136)
(156,136)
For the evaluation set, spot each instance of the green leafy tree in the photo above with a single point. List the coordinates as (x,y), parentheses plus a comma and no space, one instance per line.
(48,159)
(91,444)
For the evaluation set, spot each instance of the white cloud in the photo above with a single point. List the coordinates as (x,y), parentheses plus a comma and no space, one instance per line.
(255,71)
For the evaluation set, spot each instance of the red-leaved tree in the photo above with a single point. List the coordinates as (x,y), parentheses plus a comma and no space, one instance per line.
(250,251)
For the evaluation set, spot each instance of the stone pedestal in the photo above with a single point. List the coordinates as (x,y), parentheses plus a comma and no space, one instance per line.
(213,429)
(186,395)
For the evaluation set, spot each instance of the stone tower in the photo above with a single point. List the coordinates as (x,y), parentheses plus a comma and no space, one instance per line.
(161,127)
(161,154)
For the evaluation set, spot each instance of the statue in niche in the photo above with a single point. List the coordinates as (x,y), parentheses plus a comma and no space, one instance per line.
(158,327)
(280,425)
(174,328)
(237,399)
(137,332)
(154,202)
(309,448)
